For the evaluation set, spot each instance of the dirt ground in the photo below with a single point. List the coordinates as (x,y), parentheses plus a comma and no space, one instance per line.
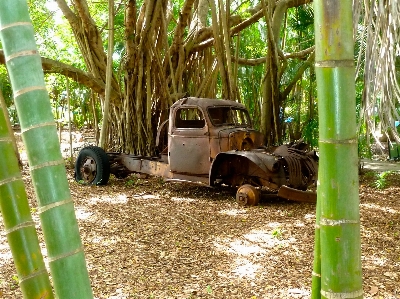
(146,238)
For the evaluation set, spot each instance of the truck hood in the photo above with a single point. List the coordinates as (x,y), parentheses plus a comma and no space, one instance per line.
(241,138)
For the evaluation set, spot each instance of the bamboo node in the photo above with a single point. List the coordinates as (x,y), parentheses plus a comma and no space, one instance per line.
(17,93)
(46,164)
(10,180)
(67,254)
(32,275)
(342,141)
(16,24)
(54,205)
(20,226)
(41,125)
(333,222)
(332,295)
(22,54)
(335,63)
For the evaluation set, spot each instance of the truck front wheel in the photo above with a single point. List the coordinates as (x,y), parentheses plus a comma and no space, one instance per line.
(92,166)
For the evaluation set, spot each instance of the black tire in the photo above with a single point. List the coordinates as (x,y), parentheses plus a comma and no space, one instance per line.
(92,166)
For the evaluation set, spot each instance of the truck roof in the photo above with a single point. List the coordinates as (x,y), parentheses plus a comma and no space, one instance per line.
(205,102)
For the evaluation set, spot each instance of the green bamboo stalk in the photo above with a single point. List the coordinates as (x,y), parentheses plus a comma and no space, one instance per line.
(339,222)
(39,133)
(20,229)
(316,275)
(3,106)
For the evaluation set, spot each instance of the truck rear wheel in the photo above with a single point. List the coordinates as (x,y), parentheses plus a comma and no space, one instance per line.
(92,166)
(248,195)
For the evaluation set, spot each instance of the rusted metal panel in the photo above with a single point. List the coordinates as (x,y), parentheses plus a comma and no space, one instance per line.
(233,138)
(267,162)
(297,195)
(144,165)
(188,144)
(189,155)
(239,167)
(301,166)
(188,178)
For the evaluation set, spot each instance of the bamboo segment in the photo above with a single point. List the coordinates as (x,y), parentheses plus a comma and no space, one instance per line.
(20,228)
(39,133)
(9,127)
(338,201)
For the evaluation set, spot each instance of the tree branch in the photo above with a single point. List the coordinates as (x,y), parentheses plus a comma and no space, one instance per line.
(205,37)
(77,75)
(257,61)
(298,75)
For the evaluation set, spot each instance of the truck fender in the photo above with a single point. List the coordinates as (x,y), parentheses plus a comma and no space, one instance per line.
(256,163)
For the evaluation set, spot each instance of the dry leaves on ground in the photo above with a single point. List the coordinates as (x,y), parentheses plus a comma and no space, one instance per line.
(145,238)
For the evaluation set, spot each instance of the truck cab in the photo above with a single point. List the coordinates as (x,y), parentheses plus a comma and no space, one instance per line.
(200,129)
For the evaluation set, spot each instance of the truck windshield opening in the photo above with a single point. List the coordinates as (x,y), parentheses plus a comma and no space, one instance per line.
(229,116)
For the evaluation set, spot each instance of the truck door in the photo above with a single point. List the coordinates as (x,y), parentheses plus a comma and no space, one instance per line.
(189,149)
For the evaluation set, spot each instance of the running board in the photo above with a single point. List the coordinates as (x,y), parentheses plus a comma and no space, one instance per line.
(297,195)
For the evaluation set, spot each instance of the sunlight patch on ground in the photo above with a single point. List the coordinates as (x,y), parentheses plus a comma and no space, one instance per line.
(119,199)
(298,293)
(378,260)
(310,216)
(118,294)
(241,247)
(274,224)
(97,239)
(377,207)
(183,199)
(233,212)
(252,248)
(246,268)
(5,254)
(299,224)
(268,239)
(145,196)
(82,214)
(255,242)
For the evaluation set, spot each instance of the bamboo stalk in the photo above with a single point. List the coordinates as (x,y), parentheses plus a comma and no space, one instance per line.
(316,274)
(3,106)
(47,168)
(19,226)
(338,200)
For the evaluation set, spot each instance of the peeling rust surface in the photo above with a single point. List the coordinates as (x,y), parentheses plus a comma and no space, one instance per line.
(297,195)
(301,166)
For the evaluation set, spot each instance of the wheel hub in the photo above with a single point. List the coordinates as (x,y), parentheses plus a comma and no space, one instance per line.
(247,195)
(88,169)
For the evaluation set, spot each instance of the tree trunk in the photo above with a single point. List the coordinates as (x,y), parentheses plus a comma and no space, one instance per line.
(71,151)
(47,167)
(338,201)
(109,74)
(274,13)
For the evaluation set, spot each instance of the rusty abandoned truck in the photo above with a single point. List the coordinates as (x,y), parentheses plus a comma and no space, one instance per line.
(211,141)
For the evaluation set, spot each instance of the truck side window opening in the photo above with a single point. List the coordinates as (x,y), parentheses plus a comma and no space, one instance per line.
(189,118)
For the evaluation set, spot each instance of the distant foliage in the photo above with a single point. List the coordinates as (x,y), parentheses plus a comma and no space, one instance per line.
(310,133)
